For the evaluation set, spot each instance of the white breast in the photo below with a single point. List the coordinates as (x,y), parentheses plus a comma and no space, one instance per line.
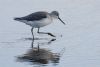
(40,23)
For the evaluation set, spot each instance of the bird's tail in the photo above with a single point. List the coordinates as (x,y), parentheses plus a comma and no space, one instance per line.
(17,19)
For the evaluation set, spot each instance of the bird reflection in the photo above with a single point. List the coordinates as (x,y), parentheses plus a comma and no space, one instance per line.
(47,43)
(40,55)
(49,40)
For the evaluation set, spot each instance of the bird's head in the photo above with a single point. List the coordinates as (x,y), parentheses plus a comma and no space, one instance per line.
(55,14)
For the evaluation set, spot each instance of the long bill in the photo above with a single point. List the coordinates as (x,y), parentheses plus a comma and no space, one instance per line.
(61,20)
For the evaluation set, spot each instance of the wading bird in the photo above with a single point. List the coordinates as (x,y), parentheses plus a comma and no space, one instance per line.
(39,19)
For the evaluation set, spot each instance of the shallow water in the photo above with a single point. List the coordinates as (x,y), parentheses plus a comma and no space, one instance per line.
(78,41)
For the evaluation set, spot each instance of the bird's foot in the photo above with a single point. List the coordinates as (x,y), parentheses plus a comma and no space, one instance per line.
(51,34)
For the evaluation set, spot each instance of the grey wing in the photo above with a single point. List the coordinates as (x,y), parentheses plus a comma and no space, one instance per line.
(35,16)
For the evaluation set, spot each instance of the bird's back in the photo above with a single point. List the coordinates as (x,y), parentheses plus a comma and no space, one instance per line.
(33,17)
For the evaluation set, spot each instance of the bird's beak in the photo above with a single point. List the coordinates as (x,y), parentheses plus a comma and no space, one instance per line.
(61,20)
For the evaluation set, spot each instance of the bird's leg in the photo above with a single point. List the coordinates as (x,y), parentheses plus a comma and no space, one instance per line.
(32,32)
(45,33)
(33,36)
(38,47)
(32,43)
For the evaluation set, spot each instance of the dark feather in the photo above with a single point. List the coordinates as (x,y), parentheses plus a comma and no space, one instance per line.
(34,16)
(17,19)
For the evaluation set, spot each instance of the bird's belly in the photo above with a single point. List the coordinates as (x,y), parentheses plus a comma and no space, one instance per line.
(40,23)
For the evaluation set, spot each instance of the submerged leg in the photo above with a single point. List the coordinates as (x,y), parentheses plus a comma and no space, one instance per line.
(32,44)
(38,47)
(33,36)
(45,33)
